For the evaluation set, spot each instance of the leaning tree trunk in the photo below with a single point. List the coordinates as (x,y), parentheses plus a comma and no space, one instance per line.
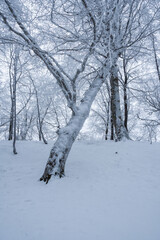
(67,135)
(44,140)
(62,147)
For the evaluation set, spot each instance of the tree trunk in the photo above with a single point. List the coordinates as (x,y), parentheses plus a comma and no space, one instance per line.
(44,140)
(61,149)
(125,107)
(107,123)
(155,57)
(14,101)
(67,135)
(125,97)
(14,118)
(23,132)
(119,128)
(11,123)
(39,121)
(112,129)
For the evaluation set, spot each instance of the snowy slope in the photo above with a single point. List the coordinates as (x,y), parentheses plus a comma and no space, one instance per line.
(111,192)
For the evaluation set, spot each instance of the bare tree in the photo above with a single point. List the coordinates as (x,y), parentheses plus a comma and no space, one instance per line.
(91,29)
(40,119)
(14,77)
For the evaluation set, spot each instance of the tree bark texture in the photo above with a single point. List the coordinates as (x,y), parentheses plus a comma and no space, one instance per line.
(67,135)
(14,99)
(107,123)
(125,107)
(119,128)
(11,122)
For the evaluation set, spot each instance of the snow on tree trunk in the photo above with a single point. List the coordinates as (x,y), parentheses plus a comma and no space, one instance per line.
(67,135)
(24,127)
(120,130)
(62,147)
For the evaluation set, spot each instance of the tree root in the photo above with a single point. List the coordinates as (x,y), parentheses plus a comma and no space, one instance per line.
(46,177)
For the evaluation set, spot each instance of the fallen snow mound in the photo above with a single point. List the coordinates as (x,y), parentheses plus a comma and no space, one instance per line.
(111,192)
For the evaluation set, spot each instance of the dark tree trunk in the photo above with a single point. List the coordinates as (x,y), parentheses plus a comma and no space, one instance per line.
(24,128)
(39,121)
(125,97)
(125,108)
(106,133)
(115,106)
(156,57)
(112,130)
(44,140)
(107,123)
(11,123)
(119,128)
(14,102)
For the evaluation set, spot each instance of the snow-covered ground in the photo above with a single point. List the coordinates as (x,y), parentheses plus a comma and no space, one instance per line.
(111,192)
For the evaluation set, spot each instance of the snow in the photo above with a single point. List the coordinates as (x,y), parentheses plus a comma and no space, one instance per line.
(111,191)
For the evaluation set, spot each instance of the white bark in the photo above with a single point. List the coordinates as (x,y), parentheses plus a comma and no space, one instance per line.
(68,134)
